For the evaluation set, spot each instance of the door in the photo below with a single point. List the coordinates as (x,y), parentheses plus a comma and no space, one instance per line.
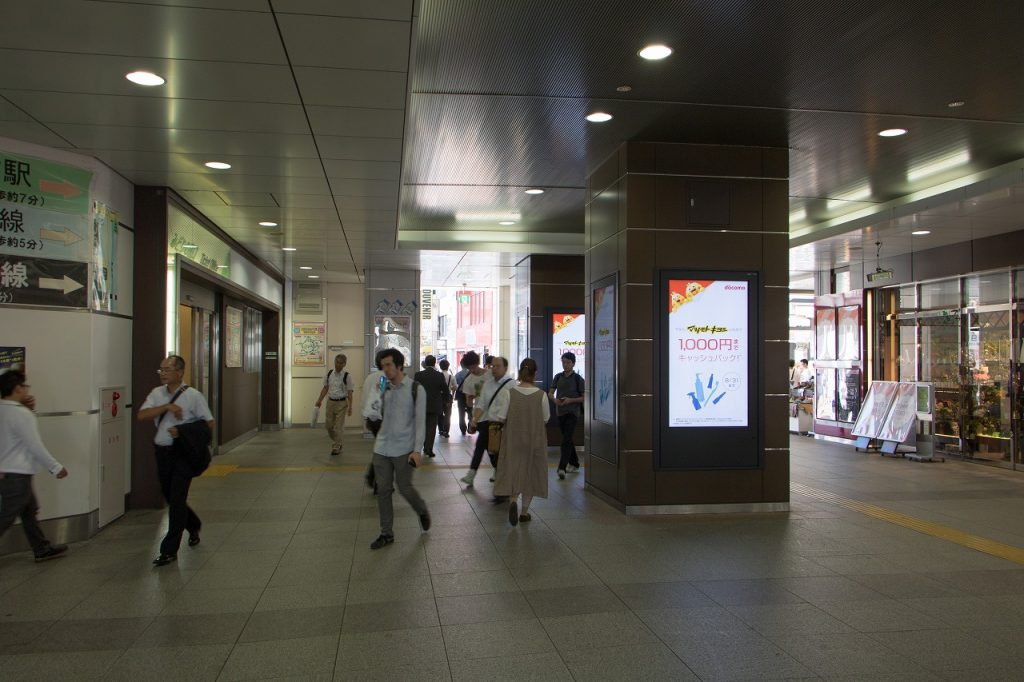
(987,412)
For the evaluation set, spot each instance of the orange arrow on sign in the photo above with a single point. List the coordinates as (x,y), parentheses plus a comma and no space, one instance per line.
(63,188)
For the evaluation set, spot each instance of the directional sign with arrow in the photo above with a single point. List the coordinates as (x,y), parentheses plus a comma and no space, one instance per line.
(41,281)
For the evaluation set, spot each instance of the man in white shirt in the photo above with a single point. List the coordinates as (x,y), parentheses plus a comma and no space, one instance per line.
(169,405)
(806,375)
(22,453)
(338,389)
(482,408)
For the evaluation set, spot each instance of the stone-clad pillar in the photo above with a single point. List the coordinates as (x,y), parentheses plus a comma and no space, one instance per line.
(655,206)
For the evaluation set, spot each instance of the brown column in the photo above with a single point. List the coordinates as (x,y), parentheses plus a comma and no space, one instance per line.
(149,311)
(656,206)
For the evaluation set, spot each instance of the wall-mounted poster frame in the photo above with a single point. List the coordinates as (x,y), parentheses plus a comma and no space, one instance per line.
(707,367)
(825,393)
(565,330)
(825,333)
(309,344)
(604,393)
(848,390)
(848,332)
(233,332)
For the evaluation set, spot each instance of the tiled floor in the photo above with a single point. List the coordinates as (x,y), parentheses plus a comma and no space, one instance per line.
(285,586)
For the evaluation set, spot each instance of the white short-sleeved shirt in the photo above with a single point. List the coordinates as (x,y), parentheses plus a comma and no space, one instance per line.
(474,384)
(484,403)
(339,384)
(500,408)
(806,376)
(193,408)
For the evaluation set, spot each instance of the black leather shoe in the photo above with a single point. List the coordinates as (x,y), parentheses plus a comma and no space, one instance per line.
(165,559)
(51,552)
(425,521)
(513,513)
(381,541)
(193,539)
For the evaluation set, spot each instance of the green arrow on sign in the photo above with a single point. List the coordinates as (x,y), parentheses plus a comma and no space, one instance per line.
(44,184)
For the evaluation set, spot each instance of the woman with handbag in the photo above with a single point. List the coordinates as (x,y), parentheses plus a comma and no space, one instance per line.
(522,413)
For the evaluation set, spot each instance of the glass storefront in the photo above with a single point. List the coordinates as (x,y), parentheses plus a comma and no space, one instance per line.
(963,335)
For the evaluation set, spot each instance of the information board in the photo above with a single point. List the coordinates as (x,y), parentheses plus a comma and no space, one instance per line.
(309,341)
(902,414)
(233,334)
(875,408)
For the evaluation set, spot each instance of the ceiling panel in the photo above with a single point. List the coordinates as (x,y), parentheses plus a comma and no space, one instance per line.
(258,199)
(130,160)
(398,10)
(228,182)
(30,131)
(143,30)
(188,141)
(354,121)
(351,88)
(369,44)
(158,112)
(362,170)
(351,187)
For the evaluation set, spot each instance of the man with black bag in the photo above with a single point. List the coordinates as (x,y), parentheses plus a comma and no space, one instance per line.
(182,450)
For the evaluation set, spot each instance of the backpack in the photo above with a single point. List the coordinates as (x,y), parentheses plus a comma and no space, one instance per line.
(579,389)
(344,378)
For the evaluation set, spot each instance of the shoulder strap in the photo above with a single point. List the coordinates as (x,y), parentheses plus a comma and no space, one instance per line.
(329,373)
(497,391)
(344,379)
(458,386)
(578,380)
(180,390)
(415,385)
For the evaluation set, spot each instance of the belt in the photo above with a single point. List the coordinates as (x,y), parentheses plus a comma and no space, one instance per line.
(338,400)
(4,474)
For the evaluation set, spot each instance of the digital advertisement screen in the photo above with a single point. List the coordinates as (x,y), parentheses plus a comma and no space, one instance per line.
(568,334)
(604,354)
(708,361)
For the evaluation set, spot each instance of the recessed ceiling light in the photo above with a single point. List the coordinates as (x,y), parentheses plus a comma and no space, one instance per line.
(893,132)
(144,78)
(599,117)
(313,276)
(507,222)
(624,88)
(920,233)
(288,248)
(956,103)
(217,165)
(222,267)
(535,190)
(190,246)
(654,52)
(267,223)
(305,267)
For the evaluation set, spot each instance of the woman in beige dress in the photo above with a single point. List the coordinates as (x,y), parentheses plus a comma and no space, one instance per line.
(523,462)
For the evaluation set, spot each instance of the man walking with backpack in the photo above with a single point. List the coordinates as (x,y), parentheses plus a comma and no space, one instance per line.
(338,388)
(567,392)
(396,451)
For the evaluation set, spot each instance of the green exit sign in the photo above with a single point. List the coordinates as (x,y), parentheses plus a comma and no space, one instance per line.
(464,299)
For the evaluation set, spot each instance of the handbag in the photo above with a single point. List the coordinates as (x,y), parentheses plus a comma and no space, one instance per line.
(494,437)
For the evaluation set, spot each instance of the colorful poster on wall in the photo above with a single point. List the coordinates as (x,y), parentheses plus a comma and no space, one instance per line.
(848,392)
(825,333)
(604,354)
(233,337)
(309,343)
(104,258)
(707,357)
(875,407)
(825,393)
(394,331)
(848,331)
(13,357)
(569,335)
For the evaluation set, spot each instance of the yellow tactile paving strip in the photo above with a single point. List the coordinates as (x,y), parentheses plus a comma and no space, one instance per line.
(976,542)
(225,469)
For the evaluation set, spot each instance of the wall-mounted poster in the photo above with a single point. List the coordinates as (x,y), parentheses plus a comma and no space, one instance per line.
(825,393)
(394,331)
(875,407)
(707,359)
(848,392)
(569,335)
(848,332)
(309,343)
(13,357)
(604,354)
(825,333)
(233,337)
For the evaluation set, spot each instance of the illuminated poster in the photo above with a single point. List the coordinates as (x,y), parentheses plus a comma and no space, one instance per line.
(825,393)
(707,357)
(308,344)
(825,333)
(604,354)
(848,392)
(569,334)
(848,330)
(233,331)
(875,407)
(394,331)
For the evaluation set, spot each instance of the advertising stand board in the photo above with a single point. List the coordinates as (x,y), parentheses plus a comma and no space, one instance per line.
(872,412)
(899,423)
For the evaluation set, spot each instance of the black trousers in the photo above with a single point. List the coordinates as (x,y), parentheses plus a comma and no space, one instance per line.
(18,501)
(482,431)
(175,480)
(461,399)
(444,422)
(567,424)
(430,434)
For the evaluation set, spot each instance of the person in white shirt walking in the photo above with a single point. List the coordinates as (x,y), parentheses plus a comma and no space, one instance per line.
(22,453)
(338,389)
(482,415)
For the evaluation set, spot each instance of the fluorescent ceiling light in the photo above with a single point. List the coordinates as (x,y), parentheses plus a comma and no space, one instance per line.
(313,276)
(599,117)
(288,248)
(892,132)
(920,233)
(217,165)
(507,222)
(485,216)
(222,267)
(190,246)
(305,267)
(940,165)
(534,190)
(654,52)
(144,78)
(267,223)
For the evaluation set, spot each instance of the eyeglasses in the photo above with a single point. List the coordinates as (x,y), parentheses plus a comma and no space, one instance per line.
(167,370)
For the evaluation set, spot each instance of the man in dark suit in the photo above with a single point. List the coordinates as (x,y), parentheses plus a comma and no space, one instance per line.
(436,390)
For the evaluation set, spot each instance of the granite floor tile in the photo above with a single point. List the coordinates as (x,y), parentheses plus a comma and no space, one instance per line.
(72,665)
(192,630)
(736,655)
(836,654)
(292,624)
(483,608)
(746,592)
(88,635)
(473,582)
(390,649)
(184,663)
(496,639)
(597,630)
(545,666)
(281,658)
(398,615)
(634,662)
(571,601)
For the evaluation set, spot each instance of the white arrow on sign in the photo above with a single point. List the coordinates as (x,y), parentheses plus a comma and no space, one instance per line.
(67,285)
(64,235)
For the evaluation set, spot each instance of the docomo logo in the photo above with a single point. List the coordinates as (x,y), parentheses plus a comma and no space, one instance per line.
(709,344)
(735,287)
(113,403)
